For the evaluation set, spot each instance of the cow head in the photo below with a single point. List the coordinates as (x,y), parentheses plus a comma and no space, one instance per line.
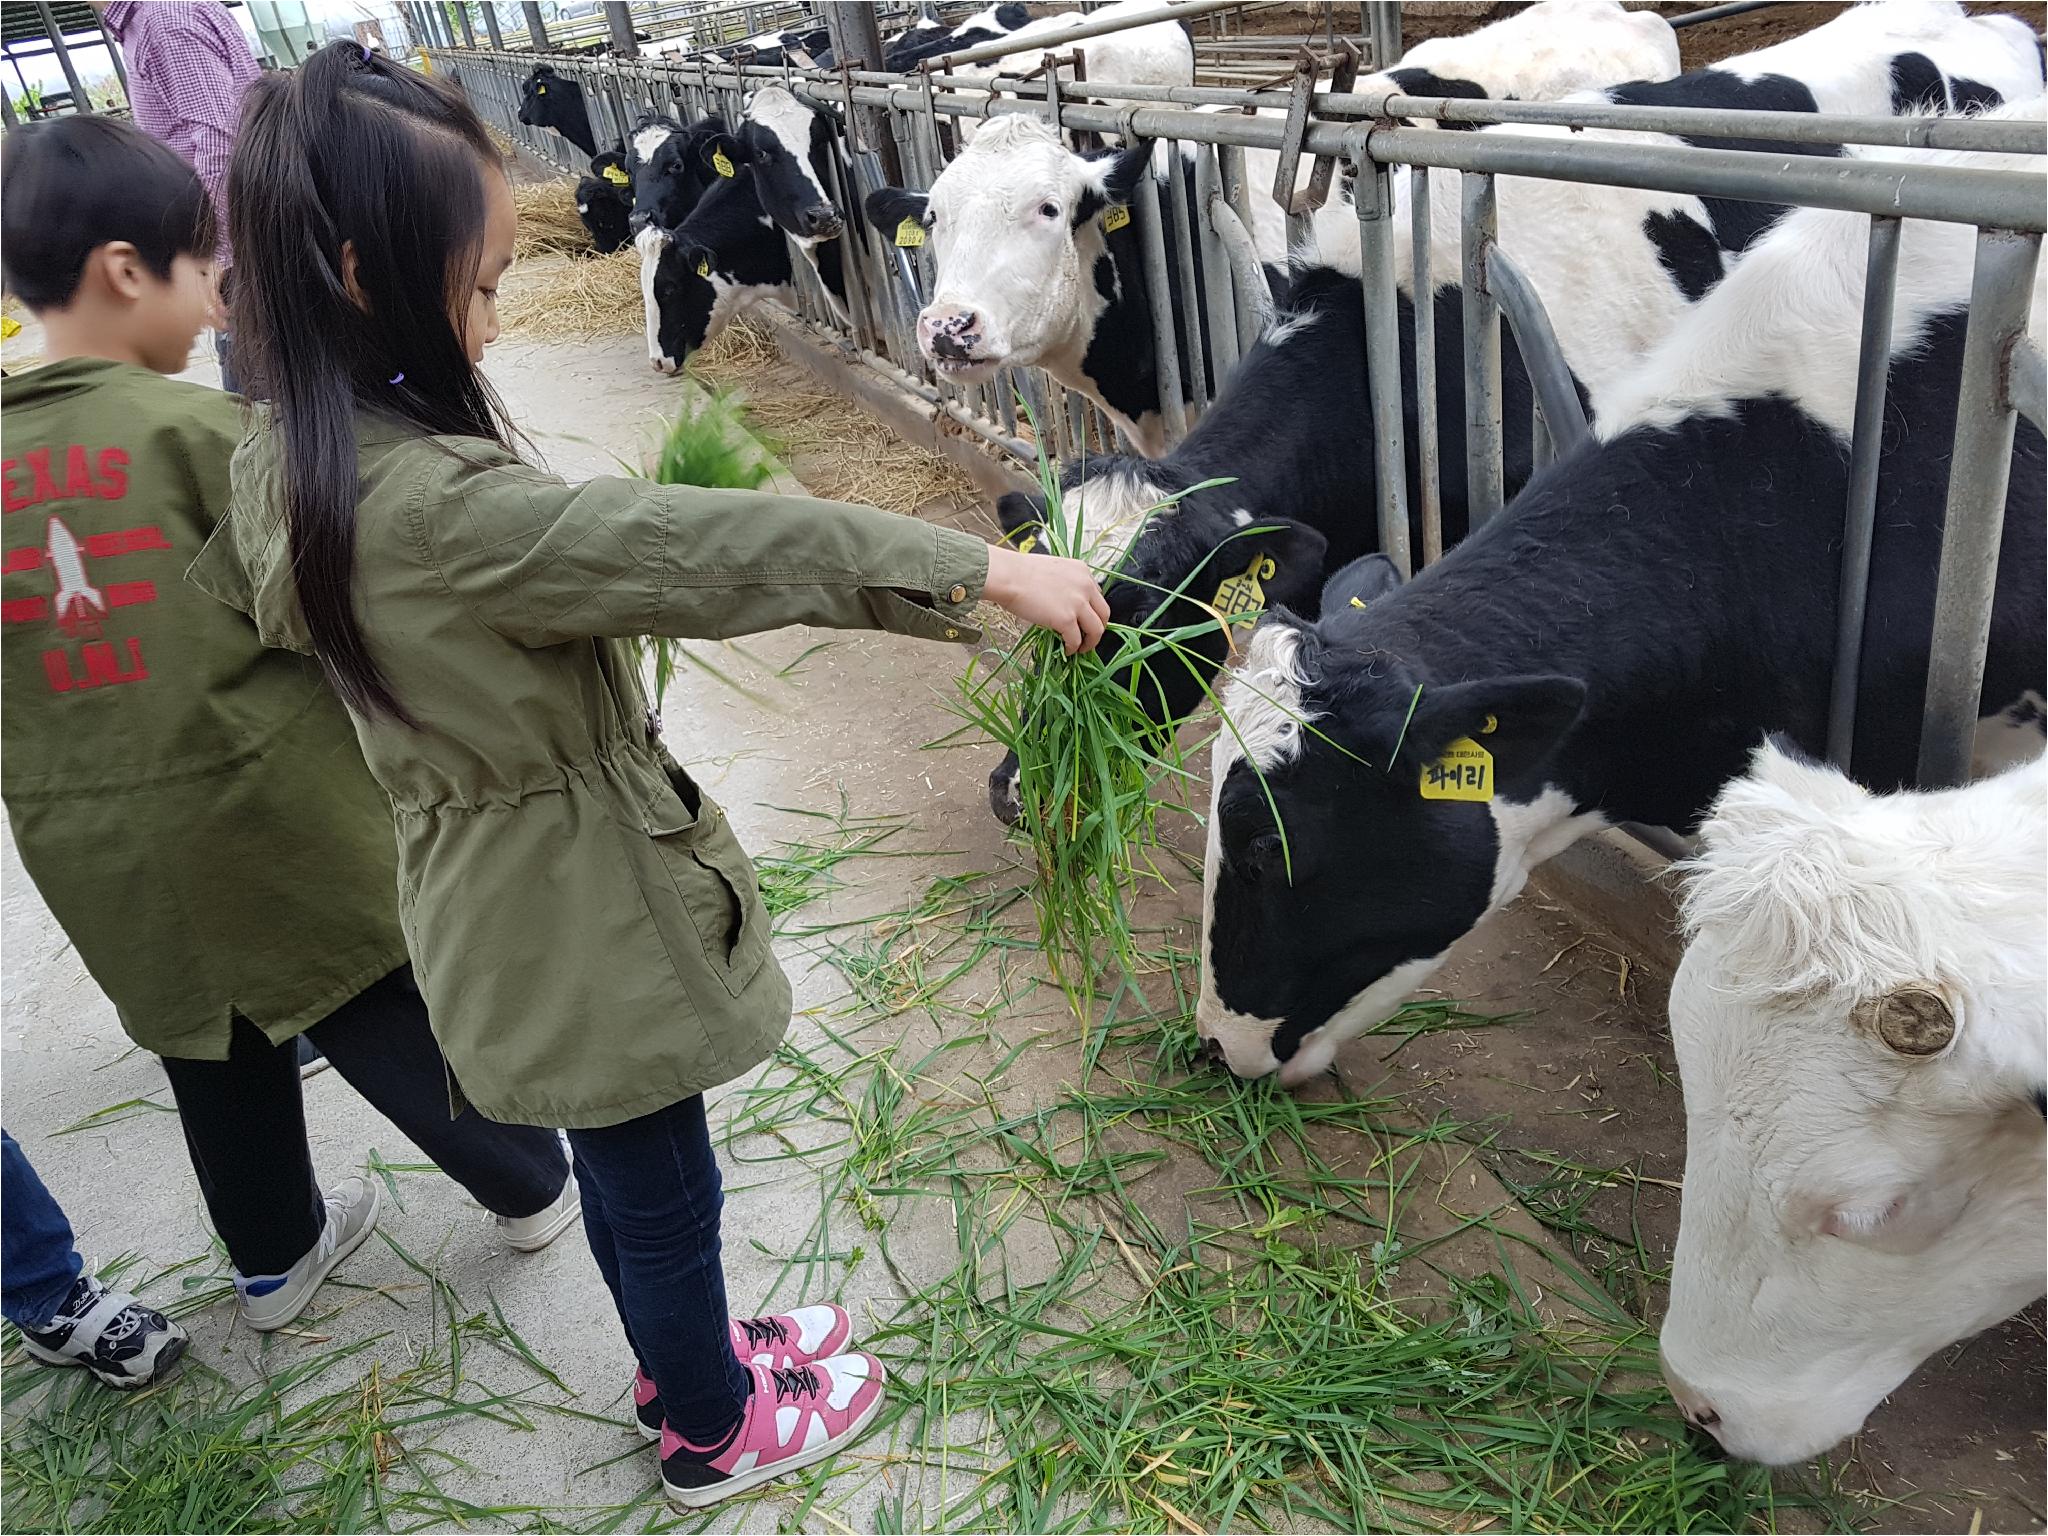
(1014,226)
(675,167)
(1176,558)
(1859,1027)
(551,100)
(1318,922)
(604,209)
(694,279)
(790,145)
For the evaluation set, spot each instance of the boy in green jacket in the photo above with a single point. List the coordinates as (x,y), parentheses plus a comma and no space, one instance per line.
(192,806)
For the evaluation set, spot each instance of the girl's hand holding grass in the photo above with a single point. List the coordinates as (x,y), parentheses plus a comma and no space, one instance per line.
(1050,591)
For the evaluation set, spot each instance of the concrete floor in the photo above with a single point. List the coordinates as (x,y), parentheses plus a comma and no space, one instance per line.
(853,718)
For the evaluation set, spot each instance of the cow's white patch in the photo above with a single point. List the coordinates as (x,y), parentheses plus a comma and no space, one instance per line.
(649,243)
(647,140)
(1161,54)
(1528,833)
(1550,49)
(1849,1210)
(1263,704)
(1110,508)
(2012,736)
(774,108)
(1242,517)
(1282,331)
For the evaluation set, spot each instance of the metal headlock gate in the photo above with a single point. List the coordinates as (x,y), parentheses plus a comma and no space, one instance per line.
(1311,123)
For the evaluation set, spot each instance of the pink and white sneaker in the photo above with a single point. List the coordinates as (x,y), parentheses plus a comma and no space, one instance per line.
(794,1419)
(780,1341)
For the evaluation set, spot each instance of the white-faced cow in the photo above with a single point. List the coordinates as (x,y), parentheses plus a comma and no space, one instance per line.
(548,99)
(1039,263)
(1616,267)
(1538,53)
(1860,1030)
(1609,649)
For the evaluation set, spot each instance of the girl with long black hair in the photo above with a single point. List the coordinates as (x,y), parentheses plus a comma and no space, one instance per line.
(584,924)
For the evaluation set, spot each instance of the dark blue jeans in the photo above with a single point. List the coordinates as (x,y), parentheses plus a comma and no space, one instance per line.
(38,1254)
(651,1199)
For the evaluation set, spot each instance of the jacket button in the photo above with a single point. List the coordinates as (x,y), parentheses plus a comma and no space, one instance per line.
(952,634)
(957,595)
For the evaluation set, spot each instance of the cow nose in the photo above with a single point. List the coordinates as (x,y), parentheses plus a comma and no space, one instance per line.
(820,222)
(1213,1050)
(1692,1406)
(949,333)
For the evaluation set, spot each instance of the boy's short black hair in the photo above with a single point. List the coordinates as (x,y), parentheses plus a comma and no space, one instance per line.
(70,185)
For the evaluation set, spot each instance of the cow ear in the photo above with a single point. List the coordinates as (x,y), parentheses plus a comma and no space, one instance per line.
(1519,720)
(1282,558)
(718,146)
(1365,580)
(1018,513)
(889,206)
(1111,179)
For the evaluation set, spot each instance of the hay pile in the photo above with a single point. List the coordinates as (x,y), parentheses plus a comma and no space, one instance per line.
(573,298)
(548,222)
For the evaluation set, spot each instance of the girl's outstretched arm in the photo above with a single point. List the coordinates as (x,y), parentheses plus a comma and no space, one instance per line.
(541,561)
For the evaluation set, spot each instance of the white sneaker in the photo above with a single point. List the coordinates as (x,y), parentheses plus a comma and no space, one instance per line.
(530,1234)
(271,1301)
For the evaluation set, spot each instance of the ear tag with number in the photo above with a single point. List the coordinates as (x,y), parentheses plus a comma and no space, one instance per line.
(909,232)
(704,266)
(1115,217)
(540,90)
(9,326)
(719,163)
(1464,772)
(616,176)
(1240,596)
(1028,544)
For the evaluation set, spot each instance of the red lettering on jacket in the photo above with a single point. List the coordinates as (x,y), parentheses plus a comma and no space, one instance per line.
(77,473)
(113,474)
(38,460)
(103,667)
(24,610)
(10,499)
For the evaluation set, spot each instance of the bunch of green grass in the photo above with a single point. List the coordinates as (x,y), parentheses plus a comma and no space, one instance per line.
(708,444)
(1090,761)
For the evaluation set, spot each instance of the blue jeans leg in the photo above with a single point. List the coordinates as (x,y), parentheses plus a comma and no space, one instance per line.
(652,1196)
(38,1253)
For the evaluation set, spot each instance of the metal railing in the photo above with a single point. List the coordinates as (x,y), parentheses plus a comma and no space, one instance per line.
(2003,372)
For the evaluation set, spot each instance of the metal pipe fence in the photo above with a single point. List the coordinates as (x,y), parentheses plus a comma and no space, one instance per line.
(1212,214)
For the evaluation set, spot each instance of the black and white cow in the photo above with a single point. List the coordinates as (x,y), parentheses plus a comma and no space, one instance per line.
(1289,437)
(671,167)
(1040,263)
(1538,53)
(928,39)
(725,257)
(606,206)
(1610,649)
(1617,267)
(551,100)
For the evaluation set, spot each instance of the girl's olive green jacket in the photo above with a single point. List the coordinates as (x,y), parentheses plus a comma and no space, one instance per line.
(584,925)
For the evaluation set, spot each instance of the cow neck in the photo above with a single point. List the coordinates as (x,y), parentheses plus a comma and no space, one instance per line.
(1685,576)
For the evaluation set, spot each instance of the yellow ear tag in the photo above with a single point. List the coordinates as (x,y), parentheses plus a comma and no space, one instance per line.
(1464,772)
(9,326)
(704,266)
(1239,596)
(540,90)
(1115,217)
(719,163)
(1029,544)
(909,232)
(616,176)
(1356,603)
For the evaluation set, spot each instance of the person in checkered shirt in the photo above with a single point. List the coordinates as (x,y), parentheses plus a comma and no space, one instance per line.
(188,69)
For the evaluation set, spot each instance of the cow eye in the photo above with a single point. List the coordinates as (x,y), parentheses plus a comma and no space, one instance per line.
(1049,210)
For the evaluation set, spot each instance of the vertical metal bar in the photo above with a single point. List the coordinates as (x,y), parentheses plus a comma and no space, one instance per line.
(80,101)
(1195,364)
(1216,285)
(113,53)
(1859,522)
(1485,479)
(468,32)
(1374,195)
(1237,192)
(536,29)
(2000,286)
(619,20)
(491,31)
(7,110)
(1428,432)
(1152,238)
(1541,450)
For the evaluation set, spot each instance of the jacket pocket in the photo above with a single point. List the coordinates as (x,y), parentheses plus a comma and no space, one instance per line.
(713,879)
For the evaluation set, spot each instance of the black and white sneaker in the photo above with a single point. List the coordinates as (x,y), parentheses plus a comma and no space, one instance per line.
(121,1341)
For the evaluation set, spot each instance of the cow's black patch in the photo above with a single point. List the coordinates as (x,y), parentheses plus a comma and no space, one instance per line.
(1967,95)
(1422,82)
(1688,251)
(1917,86)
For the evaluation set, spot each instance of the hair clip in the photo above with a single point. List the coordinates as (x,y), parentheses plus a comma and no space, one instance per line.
(366,51)
(396,378)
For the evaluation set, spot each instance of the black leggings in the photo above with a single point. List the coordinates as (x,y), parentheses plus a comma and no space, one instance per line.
(245,1125)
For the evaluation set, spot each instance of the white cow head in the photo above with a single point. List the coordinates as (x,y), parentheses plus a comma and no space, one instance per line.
(1859,1026)
(1014,228)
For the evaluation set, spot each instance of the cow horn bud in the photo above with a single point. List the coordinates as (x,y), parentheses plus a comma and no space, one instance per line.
(1914,1021)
